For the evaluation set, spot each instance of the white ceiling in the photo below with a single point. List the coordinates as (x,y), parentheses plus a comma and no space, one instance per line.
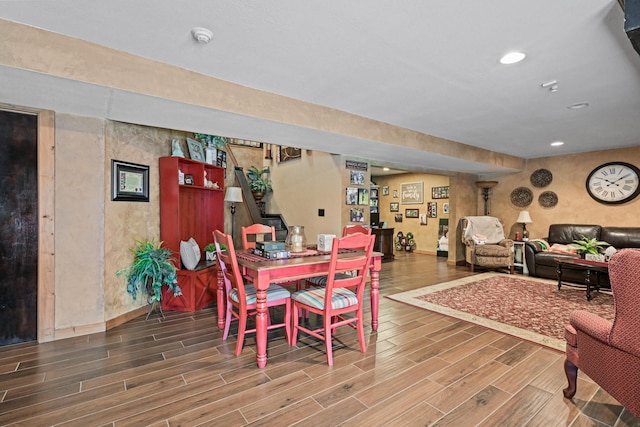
(429,66)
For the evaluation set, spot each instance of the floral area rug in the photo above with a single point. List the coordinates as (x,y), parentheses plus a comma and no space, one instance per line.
(525,307)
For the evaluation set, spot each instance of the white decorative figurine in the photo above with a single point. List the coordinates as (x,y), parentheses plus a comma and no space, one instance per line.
(176,150)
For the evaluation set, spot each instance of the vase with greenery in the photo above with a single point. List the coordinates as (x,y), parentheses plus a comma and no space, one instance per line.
(588,246)
(152,268)
(259,181)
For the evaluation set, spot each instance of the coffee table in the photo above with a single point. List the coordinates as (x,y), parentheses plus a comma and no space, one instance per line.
(591,267)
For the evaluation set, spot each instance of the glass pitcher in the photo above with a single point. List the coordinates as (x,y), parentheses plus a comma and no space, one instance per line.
(296,240)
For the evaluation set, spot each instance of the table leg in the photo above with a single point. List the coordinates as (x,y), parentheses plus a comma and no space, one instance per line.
(559,272)
(375,293)
(587,282)
(261,327)
(221,299)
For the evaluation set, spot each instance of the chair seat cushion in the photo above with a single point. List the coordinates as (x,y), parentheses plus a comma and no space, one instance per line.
(492,250)
(274,293)
(314,297)
(322,280)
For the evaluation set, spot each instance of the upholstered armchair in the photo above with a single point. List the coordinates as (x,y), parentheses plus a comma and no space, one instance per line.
(486,245)
(609,352)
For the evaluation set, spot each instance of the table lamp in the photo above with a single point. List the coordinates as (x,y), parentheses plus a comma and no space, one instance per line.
(233,195)
(524,218)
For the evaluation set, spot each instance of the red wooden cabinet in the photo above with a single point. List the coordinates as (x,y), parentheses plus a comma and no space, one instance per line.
(190,211)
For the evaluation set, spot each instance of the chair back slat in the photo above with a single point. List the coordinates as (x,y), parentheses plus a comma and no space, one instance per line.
(353,229)
(257,232)
(228,264)
(359,262)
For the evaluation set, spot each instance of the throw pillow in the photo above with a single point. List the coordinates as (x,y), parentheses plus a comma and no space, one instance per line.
(563,249)
(190,253)
(543,244)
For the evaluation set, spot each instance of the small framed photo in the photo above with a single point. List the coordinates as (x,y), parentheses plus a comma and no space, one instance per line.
(357,177)
(445,208)
(363,196)
(398,217)
(411,213)
(188,179)
(129,182)
(423,219)
(195,150)
(351,196)
(356,214)
(374,193)
(395,194)
(394,207)
(385,190)
(432,209)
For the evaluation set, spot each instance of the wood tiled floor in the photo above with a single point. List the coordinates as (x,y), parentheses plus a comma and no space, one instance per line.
(420,368)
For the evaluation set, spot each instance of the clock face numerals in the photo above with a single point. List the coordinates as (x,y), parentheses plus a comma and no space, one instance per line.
(613,183)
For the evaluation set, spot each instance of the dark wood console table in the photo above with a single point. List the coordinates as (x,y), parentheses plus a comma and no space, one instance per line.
(384,242)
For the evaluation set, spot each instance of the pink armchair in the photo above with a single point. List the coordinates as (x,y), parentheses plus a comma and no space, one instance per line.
(609,352)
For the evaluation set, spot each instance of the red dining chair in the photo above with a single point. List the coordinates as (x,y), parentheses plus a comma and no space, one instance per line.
(260,232)
(257,232)
(346,231)
(341,295)
(241,297)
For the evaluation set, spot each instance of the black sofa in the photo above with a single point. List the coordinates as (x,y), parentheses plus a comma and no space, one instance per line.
(543,264)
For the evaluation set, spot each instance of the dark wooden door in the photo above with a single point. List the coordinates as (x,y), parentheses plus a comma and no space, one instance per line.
(18,227)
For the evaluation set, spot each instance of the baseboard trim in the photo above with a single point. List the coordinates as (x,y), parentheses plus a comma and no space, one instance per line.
(124,318)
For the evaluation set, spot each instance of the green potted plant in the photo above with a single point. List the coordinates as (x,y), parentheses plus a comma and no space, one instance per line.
(152,268)
(588,246)
(210,251)
(259,181)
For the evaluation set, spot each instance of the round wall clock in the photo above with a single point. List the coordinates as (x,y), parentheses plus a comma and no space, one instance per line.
(613,183)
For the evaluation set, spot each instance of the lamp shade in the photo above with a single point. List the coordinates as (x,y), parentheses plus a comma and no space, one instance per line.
(524,218)
(233,194)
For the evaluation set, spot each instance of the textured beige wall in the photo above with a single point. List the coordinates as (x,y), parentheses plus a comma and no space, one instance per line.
(79,222)
(574,204)
(302,186)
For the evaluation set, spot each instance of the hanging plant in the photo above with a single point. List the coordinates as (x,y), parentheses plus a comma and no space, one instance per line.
(152,268)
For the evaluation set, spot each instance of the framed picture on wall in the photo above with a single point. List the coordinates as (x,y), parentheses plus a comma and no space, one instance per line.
(352,196)
(385,190)
(432,209)
(398,217)
(423,219)
(394,207)
(357,177)
(445,208)
(412,193)
(411,213)
(363,196)
(356,215)
(129,182)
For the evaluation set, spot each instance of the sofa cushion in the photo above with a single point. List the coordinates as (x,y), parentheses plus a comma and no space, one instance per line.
(621,237)
(567,233)
(549,258)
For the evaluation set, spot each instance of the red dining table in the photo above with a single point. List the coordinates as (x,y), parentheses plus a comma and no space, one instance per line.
(311,263)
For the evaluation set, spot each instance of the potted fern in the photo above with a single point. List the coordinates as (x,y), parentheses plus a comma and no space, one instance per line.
(210,251)
(259,181)
(152,268)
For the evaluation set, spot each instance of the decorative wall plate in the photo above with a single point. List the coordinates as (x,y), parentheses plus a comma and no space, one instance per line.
(548,199)
(541,178)
(521,197)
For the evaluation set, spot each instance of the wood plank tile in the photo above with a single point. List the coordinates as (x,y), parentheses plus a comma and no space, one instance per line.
(475,409)
(518,410)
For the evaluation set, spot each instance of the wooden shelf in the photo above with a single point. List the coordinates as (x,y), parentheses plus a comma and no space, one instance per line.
(190,211)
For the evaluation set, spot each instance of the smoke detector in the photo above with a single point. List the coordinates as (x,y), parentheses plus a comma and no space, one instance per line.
(202,35)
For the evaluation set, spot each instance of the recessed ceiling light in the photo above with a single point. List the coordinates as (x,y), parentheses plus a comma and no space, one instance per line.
(578,105)
(512,58)
(557,143)
(385,169)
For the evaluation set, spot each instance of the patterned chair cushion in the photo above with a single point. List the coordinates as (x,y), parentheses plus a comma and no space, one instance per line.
(322,280)
(314,297)
(274,293)
(492,251)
